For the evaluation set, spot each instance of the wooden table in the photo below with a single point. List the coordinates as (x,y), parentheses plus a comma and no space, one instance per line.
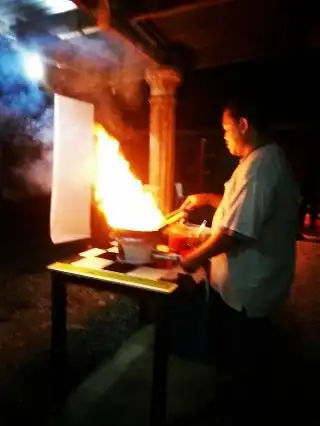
(99,269)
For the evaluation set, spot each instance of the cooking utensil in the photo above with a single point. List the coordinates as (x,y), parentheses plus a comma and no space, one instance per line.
(136,247)
(174,217)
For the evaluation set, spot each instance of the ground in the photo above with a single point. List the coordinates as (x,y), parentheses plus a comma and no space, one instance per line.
(100,321)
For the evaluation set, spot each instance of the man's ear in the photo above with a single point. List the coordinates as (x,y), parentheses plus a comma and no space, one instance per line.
(244,125)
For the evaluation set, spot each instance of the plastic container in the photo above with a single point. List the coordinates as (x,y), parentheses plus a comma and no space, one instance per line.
(183,237)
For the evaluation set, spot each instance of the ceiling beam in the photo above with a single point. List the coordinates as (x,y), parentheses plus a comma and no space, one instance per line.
(72,20)
(182,7)
(84,6)
(119,22)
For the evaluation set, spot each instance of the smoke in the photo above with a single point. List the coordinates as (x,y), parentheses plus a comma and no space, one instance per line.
(104,69)
(26,154)
(18,95)
(26,129)
(108,71)
(36,172)
(120,64)
(41,128)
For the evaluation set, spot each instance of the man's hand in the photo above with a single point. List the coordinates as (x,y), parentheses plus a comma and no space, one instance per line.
(173,274)
(199,200)
(190,203)
(216,244)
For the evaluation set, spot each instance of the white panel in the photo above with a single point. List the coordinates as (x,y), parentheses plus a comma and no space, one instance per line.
(72,170)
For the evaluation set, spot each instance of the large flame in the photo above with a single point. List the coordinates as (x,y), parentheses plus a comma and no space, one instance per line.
(122,197)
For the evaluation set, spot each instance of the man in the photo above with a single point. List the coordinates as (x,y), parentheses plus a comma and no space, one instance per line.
(251,250)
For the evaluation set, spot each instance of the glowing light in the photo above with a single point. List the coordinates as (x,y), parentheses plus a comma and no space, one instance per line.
(33,65)
(59,6)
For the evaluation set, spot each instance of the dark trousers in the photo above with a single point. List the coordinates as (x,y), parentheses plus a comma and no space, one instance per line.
(242,349)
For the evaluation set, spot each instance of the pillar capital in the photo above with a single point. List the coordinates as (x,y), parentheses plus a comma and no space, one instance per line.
(163,81)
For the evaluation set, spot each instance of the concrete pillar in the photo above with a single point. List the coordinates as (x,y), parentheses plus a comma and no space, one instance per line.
(163,83)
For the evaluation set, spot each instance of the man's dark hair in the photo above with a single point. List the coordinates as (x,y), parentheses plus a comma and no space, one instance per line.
(250,108)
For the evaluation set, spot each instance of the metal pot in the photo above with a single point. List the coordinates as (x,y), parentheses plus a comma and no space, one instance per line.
(136,247)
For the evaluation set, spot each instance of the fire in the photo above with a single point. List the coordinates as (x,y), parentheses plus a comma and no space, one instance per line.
(122,197)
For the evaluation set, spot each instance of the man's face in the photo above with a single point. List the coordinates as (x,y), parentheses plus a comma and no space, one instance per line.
(234,133)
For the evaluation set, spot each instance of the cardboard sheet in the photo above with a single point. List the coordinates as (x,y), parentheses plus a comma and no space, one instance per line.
(93,262)
(93,252)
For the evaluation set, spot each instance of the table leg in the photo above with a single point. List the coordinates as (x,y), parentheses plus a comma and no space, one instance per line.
(58,339)
(160,364)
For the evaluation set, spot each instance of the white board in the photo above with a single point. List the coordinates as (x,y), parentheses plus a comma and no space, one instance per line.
(72,170)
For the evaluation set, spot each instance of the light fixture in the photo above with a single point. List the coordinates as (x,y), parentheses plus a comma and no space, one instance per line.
(59,6)
(33,66)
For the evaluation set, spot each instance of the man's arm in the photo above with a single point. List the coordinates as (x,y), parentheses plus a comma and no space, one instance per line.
(216,244)
(214,199)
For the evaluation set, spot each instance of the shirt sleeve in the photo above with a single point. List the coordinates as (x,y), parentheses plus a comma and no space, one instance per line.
(249,206)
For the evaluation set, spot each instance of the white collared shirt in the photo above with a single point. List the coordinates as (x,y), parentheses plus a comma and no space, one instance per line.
(259,205)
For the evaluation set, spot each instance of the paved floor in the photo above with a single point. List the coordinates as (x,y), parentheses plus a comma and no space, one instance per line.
(118,392)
